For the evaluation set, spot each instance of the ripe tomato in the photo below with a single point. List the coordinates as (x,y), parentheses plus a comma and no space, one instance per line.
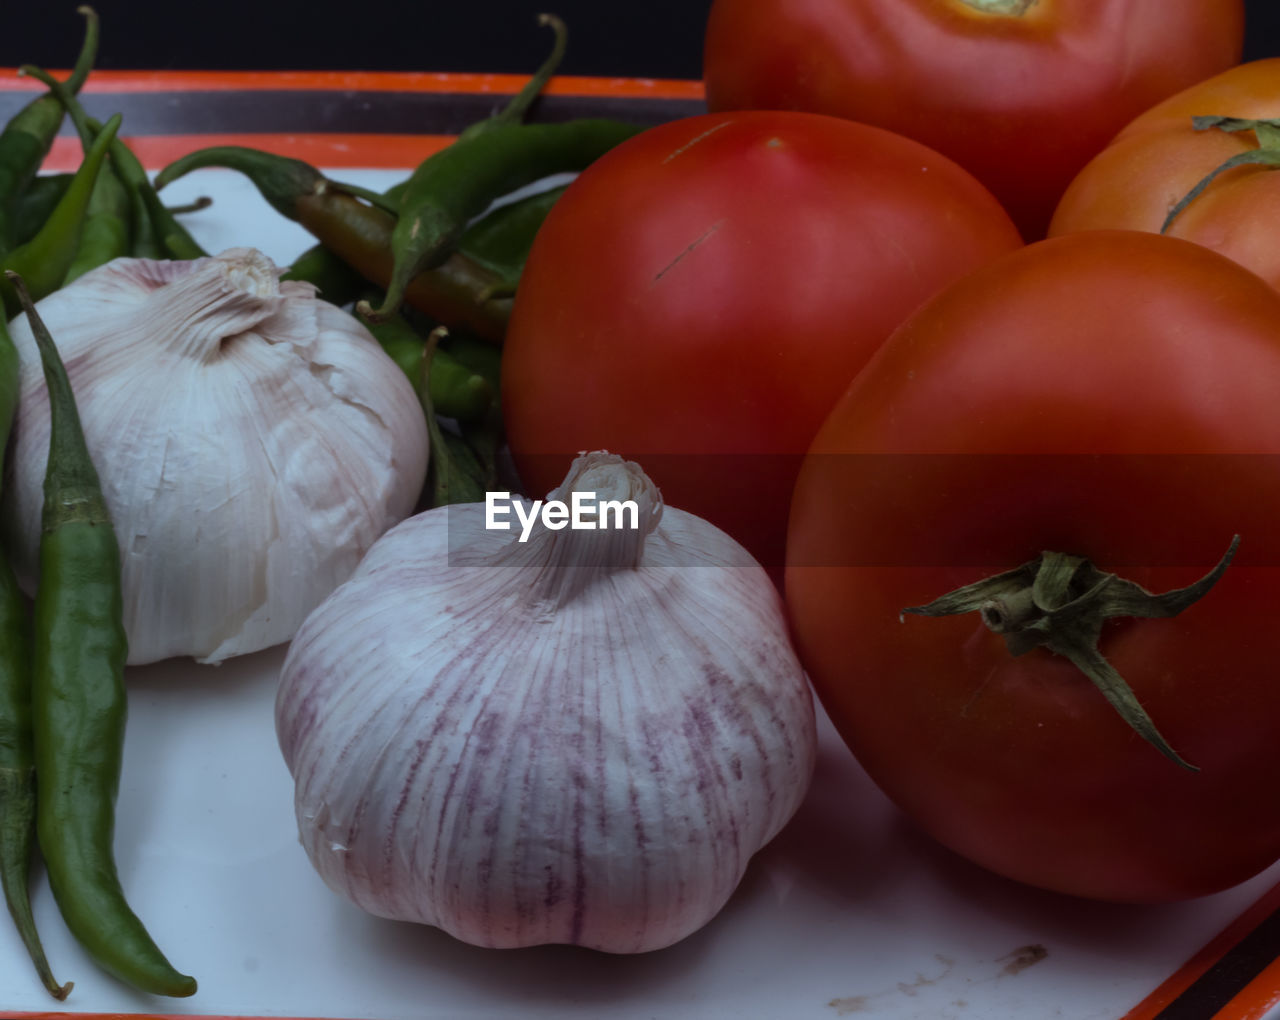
(1020,92)
(1110,395)
(701,295)
(1136,181)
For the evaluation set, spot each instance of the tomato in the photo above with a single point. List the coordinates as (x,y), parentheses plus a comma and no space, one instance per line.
(1108,395)
(1136,181)
(698,299)
(1021,93)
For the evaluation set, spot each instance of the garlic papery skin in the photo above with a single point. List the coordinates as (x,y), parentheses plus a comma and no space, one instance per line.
(582,739)
(252,442)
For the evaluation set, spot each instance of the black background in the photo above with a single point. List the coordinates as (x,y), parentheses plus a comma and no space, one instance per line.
(657,38)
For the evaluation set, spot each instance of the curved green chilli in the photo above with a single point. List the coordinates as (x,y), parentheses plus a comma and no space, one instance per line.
(337,281)
(17,754)
(458,183)
(29,134)
(36,202)
(17,774)
(155,230)
(8,387)
(44,260)
(459,292)
(501,239)
(489,159)
(144,237)
(464,462)
(454,390)
(498,242)
(78,698)
(105,233)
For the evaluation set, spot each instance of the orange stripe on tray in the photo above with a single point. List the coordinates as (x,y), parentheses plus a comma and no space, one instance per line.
(370,81)
(321,150)
(1264,988)
(1256,999)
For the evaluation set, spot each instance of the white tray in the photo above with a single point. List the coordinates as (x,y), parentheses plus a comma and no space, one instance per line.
(849,913)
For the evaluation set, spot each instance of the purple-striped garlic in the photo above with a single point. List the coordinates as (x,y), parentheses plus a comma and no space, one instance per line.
(581,738)
(252,441)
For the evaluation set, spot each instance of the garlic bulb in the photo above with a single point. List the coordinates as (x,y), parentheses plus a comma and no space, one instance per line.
(581,738)
(252,443)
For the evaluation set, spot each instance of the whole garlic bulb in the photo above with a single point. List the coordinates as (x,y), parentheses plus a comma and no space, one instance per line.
(252,443)
(578,739)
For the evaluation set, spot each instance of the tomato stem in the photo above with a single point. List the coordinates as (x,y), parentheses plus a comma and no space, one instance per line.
(1267,154)
(1060,602)
(1014,7)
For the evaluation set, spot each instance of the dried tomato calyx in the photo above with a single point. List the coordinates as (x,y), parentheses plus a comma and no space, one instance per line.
(1060,602)
(1014,7)
(1266,154)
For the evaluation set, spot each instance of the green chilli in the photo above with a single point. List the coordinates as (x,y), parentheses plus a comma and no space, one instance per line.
(27,138)
(104,235)
(44,260)
(453,389)
(78,697)
(17,752)
(490,159)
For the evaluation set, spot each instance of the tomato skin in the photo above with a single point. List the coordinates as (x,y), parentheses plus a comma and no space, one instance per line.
(1159,157)
(1110,395)
(700,296)
(1020,100)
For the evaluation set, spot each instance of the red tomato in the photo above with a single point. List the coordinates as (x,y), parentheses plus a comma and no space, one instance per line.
(700,296)
(1021,93)
(1136,181)
(1105,395)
